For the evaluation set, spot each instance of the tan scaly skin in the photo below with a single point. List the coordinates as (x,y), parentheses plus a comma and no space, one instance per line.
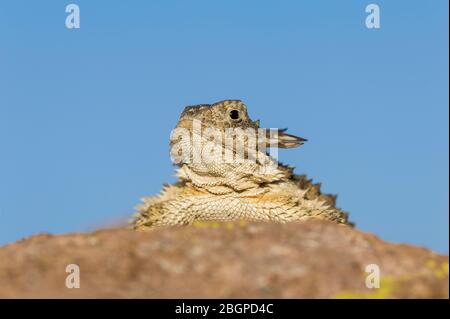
(248,189)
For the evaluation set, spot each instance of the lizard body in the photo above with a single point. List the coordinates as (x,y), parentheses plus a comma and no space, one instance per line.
(251,186)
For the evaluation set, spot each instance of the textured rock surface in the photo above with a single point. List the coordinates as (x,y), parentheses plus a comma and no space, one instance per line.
(314,259)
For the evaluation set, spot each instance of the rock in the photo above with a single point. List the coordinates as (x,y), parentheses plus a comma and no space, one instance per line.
(314,259)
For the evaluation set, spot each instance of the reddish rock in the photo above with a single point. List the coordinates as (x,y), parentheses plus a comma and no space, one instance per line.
(314,259)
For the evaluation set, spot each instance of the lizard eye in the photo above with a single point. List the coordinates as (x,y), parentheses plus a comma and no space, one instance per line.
(234,114)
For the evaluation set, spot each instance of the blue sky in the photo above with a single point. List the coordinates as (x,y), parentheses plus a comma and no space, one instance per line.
(85,115)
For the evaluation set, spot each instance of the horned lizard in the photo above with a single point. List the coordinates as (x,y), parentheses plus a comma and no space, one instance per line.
(253,186)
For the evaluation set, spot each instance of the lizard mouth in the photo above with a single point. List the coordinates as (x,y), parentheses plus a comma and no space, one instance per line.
(284,139)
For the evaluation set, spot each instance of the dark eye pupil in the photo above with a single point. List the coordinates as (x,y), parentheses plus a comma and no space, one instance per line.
(234,114)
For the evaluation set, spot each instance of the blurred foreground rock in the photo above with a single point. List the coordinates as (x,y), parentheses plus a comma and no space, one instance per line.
(314,259)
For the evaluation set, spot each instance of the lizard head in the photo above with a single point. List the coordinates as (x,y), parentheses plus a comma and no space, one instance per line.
(223,114)
(233,114)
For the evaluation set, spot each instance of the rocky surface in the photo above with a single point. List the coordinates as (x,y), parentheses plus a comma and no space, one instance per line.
(314,259)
